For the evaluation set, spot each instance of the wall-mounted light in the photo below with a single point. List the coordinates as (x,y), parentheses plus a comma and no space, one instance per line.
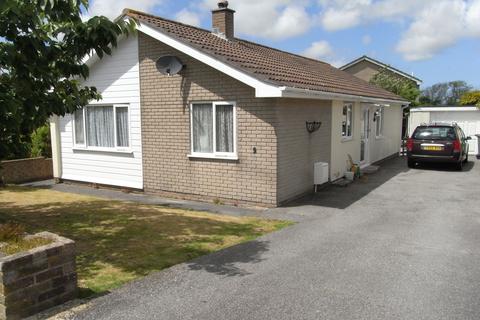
(313,126)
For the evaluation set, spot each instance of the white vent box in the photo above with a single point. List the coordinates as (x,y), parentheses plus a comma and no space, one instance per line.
(320,173)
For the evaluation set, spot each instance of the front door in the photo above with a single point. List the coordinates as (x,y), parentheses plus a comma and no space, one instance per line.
(364,136)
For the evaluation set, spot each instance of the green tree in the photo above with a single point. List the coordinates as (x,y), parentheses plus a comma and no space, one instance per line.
(42,49)
(397,85)
(457,90)
(445,93)
(471,99)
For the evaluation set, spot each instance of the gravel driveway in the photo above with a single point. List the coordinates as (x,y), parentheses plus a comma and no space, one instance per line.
(403,244)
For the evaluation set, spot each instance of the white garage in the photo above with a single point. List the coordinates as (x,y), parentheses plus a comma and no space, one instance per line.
(468,118)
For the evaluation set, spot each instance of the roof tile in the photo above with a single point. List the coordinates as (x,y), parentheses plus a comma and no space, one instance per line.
(264,63)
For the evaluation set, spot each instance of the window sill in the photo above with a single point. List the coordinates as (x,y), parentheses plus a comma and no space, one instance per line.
(346,139)
(213,157)
(109,150)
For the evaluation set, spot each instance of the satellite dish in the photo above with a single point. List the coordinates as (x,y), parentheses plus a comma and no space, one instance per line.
(169,65)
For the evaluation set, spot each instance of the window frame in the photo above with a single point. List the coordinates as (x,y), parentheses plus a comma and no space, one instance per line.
(380,119)
(215,154)
(116,148)
(74,130)
(349,105)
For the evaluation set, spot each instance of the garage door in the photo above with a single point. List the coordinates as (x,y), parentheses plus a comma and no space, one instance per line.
(469,121)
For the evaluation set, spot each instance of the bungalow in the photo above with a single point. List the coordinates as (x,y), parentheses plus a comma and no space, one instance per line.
(200,114)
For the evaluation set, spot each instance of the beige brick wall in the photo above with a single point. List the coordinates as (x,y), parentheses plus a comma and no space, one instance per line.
(281,169)
(166,133)
(298,150)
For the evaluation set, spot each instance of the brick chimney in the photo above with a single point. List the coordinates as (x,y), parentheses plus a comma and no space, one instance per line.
(222,20)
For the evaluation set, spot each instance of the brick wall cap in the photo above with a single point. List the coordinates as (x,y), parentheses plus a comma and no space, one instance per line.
(26,159)
(59,242)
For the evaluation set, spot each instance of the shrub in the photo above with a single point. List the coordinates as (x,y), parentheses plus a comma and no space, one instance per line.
(22,245)
(41,144)
(11,232)
(470,99)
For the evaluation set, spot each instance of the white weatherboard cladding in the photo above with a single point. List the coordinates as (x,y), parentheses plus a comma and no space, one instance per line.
(117,78)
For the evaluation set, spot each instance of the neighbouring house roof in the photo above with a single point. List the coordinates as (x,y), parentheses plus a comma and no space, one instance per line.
(288,72)
(383,65)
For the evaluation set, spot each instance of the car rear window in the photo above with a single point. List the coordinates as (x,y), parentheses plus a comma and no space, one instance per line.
(434,133)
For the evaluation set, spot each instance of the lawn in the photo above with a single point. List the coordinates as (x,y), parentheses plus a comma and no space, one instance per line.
(120,241)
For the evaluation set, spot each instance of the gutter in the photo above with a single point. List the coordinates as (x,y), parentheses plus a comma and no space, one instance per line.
(288,92)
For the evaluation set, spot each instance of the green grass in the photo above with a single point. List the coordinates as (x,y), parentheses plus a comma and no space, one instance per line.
(121,241)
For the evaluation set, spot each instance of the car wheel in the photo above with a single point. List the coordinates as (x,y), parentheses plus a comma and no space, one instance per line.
(411,163)
(460,166)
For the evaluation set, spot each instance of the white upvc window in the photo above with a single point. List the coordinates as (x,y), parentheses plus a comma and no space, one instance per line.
(213,130)
(379,121)
(347,121)
(102,128)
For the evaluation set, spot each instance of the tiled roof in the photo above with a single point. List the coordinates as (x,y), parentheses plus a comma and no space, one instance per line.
(266,64)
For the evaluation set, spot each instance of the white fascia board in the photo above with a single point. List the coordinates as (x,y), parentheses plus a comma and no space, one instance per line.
(310,94)
(262,89)
(426,109)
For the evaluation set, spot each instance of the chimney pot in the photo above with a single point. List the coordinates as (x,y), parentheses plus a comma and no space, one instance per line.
(222,4)
(223,20)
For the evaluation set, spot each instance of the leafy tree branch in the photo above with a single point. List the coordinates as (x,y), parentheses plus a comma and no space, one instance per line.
(402,87)
(42,63)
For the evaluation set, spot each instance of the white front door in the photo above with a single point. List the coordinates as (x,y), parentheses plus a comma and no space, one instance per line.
(365,136)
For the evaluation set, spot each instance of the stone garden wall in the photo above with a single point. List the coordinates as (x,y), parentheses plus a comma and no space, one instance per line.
(38,279)
(26,170)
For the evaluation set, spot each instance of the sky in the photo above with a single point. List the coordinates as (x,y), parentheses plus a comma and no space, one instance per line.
(435,40)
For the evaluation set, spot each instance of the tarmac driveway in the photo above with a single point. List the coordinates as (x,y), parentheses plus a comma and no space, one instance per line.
(403,244)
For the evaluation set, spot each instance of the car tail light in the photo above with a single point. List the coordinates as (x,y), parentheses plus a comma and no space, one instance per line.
(410,144)
(457,146)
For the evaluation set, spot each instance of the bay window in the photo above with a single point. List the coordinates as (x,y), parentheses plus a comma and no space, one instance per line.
(213,131)
(102,127)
